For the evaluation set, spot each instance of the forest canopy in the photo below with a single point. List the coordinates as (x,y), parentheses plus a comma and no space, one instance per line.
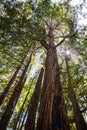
(43,65)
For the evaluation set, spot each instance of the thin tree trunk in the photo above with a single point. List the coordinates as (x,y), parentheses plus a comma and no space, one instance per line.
(22,120)
(30,122)
(4,93)
(14,98)
(18,117)
(24,117)
(52,115)
(79,120)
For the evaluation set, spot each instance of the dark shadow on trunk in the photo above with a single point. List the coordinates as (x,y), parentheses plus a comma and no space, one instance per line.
(30,122)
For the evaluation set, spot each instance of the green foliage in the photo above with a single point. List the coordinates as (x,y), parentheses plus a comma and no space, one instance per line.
(22,26)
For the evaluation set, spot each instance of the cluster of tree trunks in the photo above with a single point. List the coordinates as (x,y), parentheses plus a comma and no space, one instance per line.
(79,120)
(32,108)
(4,93)
(14,98)
(18,119)
(52,115)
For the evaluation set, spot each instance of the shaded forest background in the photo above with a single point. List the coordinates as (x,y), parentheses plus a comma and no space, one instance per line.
(43,66)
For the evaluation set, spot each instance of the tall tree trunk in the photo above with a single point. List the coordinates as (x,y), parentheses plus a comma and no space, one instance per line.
(21,123)
(14,98)
(24,117)
(4,93)
(30,122)
(52,115)
(18,117)
(79,120)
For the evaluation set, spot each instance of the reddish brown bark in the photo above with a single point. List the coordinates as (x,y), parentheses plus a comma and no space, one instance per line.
(52,115)
(30,122)
(14,98)
(79,120)
(4,93)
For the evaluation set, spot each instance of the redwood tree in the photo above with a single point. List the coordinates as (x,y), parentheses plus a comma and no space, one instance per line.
(79,120)
(32,108)
(4,93)
(21,110)
(38,22)
(14,98)
(52,115)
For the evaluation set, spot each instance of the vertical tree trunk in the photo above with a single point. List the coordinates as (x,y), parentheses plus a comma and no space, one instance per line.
(79,120)
(14,98)
(18,117)
(30,122)
(52,115)
(4,93)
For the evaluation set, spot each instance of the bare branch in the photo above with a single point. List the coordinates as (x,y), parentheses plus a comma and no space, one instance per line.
(39,47)
(56,25)
(44,43)
(62,41)
(59,37)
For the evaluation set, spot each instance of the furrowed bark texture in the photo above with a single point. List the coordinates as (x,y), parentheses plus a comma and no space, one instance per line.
(13,100)
(79,120)
(5,92)
(52,115)
(30,122)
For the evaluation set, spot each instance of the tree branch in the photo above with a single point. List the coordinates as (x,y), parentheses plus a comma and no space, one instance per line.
(39,47)
(56,25)
(44,43)
(62,41)
(84,109)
